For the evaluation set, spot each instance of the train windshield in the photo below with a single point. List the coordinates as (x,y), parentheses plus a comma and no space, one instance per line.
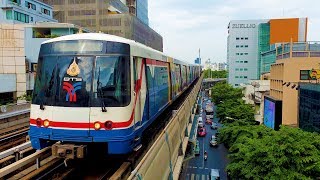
(111,85)
(82,80)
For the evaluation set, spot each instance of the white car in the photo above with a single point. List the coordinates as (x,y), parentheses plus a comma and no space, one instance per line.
(200,122)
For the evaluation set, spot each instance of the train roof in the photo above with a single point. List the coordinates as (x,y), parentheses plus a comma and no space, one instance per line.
(109,37)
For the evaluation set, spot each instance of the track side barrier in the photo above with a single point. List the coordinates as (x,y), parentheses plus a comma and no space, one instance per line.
(165,157)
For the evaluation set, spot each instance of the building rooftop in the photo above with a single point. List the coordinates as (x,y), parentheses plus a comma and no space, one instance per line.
(298,49)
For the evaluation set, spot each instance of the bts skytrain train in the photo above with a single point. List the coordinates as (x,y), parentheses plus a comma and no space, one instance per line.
(95,88)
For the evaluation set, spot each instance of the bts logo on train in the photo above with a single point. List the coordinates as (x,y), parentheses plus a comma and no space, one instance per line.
(71,89)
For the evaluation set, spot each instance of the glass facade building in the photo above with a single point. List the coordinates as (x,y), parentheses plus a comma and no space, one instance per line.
(142,11)
(267,59)
(309,107)
(109,17)
(263,43)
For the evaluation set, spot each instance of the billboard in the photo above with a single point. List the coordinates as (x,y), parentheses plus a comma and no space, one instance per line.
(269,113)
(272,114)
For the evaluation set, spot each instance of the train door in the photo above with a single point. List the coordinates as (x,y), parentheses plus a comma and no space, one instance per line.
(73,88)
(140,91)
(150,87)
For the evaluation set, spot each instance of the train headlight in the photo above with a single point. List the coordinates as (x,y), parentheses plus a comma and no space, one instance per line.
(97,125)
(38,122)
(46,123)
(108,125)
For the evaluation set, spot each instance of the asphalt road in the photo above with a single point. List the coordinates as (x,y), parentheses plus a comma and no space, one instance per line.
(199,169)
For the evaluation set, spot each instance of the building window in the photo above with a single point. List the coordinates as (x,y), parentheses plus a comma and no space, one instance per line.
(246,46)
(241,77)
(237,77)
(245,61)
(242,38)
(245,77)
(237,38)
(45,11)
(237,46)
(245,53)
(304,75)
(237,69)
(245,69)
(30,5)
(237,61)
(9,14)
(241,61)
(237,53)
(16,1)
(246,38)
(236,84)
(241,69)
(241,54)
(241,46)
(31,19)
(21,17)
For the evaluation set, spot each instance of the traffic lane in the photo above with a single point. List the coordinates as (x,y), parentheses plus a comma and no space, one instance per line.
(217,156)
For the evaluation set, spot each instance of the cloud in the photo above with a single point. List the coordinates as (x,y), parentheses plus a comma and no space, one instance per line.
(187,25)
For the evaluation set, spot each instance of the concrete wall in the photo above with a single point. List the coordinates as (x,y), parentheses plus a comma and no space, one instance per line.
(12,56)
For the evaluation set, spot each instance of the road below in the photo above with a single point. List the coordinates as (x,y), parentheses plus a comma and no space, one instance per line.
(199,169)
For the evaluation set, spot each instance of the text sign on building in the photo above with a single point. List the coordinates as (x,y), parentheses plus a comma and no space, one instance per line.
(243,26)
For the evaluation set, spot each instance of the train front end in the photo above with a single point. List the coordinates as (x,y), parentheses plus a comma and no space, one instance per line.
(83,96)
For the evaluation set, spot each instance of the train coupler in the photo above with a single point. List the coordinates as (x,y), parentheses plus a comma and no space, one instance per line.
(69,151)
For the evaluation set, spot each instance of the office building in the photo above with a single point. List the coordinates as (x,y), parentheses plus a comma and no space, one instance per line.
(292,66)
(309,107)
(276,32)
(109,16)
(222,66)
(139,8)
(25,11)
(19,50)
(248,38)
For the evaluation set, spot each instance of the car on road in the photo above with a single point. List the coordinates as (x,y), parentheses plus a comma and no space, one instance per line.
(202,132)
(197,148)
(213,141)
(214,174)
(209,121)
(214,126)
(200,122)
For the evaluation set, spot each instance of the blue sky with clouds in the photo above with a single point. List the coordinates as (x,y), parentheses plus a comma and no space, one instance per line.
(187,25)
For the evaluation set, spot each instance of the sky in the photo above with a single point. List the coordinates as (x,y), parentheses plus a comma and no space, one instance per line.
(187,25)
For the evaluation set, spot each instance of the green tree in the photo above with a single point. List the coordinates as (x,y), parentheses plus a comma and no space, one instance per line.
(230,110)
(258,152)
(222,92)
(208,73)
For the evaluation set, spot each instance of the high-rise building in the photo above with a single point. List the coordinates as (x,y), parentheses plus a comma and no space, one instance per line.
(109,16)
(222,66)
(139,8)
(248,38)
(25,11)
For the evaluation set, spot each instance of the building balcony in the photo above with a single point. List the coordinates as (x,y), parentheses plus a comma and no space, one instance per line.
(298,49)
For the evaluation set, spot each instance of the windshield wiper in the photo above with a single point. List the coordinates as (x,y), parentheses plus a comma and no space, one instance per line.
(99,91)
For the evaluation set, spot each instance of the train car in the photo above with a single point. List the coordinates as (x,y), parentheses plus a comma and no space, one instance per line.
(95,88)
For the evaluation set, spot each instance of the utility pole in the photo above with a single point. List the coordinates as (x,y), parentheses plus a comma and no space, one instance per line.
(199,57)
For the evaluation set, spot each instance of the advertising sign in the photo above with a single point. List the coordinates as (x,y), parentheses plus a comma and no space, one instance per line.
(269,113)
(314,74)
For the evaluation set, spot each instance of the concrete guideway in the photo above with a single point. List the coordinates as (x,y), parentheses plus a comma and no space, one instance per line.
(165,157)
